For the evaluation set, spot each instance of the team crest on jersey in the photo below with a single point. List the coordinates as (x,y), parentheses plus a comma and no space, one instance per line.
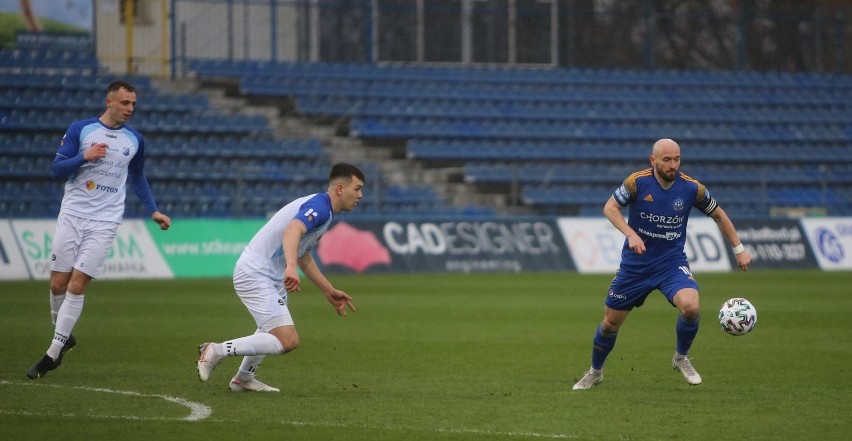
(678,204)
(126,151)
(90,185)
(649,198)
(310,214)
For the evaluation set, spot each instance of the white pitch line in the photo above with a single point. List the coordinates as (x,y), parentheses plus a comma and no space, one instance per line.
(437,430)
(197,411)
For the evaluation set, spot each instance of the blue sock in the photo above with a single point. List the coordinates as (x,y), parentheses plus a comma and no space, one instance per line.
(686,330)
(603,344)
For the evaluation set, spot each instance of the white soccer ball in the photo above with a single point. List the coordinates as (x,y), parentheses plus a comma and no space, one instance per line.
(737,316)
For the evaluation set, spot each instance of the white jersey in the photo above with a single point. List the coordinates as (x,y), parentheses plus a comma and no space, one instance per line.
(264,254)
(97,189)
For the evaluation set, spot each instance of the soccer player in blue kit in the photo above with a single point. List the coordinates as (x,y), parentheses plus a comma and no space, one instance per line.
(266,272)
(653,257)
(97,156)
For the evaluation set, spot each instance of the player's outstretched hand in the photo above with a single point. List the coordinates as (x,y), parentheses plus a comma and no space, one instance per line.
(292,283)
(340,300)
(164,221)
(743,260)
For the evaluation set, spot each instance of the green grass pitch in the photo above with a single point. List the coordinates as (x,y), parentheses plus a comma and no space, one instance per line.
(435,357)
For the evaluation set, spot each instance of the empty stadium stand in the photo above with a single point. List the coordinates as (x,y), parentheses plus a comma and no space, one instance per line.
(548,141)
(200,161)
(560,140)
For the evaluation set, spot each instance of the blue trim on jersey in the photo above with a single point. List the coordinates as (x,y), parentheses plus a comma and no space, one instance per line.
(136,172)
(69,158)
(315,212)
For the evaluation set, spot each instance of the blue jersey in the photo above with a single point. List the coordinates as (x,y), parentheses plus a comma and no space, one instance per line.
(660,216)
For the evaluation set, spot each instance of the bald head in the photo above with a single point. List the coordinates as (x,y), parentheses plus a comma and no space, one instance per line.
(665,146)
(665,159)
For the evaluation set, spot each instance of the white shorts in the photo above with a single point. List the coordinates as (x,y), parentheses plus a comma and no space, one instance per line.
(266,299)
(81,244)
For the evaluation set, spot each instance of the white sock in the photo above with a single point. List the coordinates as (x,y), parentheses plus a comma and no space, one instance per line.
(55,303)
(66,318)
(248,367)
(255,344)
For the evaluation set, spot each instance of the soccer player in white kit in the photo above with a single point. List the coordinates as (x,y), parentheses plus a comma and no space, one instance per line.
(267,270)
(97,156)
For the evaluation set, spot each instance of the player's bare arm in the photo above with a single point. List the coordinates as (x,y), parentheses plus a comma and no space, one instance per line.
(339,299)
(727,228)
(612,211)
(292,235)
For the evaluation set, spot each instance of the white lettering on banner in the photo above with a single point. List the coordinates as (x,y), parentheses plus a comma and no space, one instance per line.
(477,265)
(774,252)
(470,238)
(786,234)
(209,248)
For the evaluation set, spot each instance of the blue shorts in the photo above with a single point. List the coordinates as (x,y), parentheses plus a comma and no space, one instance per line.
(629,289)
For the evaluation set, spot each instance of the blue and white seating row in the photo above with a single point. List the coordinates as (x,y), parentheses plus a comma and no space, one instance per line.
(25,209)
(59,81)
(25,166)
(410,195)
(93,101)
(230,146)
(628,151)
(580,111)
(403,127)
(48,58)
(614,173)
(226,146)
(179,122)
(748,202)
(496,74)
(569,93)
(220,168)
(27,190)
(357,90)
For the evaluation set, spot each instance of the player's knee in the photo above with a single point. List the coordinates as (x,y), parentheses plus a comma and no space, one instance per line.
(289,341)
(286,335)
(58,288)
(690,311)
(609,326)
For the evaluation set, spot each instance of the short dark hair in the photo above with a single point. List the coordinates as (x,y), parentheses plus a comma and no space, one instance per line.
(344,170)
(117,85)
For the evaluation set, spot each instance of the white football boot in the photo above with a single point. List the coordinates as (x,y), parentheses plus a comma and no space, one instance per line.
(593,377)
(207,361)
(681,363)
(252,385)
